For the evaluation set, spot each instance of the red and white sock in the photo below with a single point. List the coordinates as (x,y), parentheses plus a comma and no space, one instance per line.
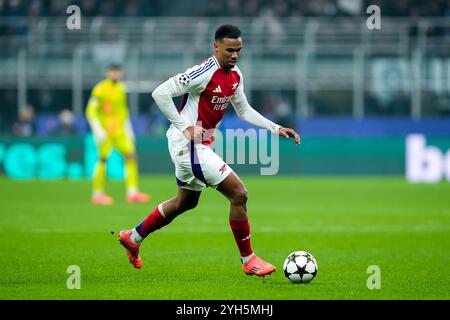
(241,232)
(154,221)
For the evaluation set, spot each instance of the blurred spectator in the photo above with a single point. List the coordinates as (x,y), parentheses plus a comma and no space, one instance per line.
(233,8)
(131,9)
(280,8)
(371,104)
(89,8)
(272,29)
(250,7)
(400,105)
(25,125)
(15,9)
(318,106)
(215,9)
(67,121)
(447,9)
(46,101)
(35,8)
(350,7)
(106,8)
(401,8)
(8,112)
(443,104)
(58,8)
(284,112)
(267,106)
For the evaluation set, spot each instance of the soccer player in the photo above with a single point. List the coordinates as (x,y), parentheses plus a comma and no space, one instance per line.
(108,117)
(206,89)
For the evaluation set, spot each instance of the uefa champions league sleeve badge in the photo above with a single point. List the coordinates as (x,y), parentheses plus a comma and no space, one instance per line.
(184,79)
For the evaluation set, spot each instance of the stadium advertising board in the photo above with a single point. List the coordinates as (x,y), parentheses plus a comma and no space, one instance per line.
(418,157)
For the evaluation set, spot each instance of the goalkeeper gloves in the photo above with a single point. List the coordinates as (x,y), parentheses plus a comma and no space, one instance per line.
(129,129)
(98,131)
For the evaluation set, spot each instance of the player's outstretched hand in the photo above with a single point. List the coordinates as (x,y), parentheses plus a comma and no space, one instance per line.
(288,132)
(194,133)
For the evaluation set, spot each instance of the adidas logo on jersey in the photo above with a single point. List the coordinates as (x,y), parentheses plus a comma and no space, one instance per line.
(217,90)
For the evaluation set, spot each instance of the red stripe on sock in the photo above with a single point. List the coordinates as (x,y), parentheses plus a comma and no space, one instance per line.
(241,232)
(153,222)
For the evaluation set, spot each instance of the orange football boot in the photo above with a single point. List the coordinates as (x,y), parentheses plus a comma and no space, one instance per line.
(139,197)
(257,266)
(102,199)
(131,247)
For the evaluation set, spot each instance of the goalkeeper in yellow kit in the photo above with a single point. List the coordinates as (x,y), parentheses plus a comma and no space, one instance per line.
(108,117)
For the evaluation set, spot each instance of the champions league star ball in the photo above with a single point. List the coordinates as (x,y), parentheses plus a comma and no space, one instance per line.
(300,267)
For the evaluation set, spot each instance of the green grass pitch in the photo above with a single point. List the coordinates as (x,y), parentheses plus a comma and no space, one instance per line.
(347,223)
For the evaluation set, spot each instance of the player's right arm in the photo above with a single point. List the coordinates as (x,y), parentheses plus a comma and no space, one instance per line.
(247,113)
(93,115)
(174,87)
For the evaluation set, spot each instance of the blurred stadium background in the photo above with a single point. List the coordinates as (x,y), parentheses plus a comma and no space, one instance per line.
(354,94)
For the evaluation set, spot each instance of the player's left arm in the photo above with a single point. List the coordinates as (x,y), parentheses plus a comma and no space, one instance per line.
(93,114)
(247,113)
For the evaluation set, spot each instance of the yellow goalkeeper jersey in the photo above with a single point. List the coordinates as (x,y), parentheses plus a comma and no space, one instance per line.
(108,105)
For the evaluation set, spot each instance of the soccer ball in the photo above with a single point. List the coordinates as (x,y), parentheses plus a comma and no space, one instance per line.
(300,267)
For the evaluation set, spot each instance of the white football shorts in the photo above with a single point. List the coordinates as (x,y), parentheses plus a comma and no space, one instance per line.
(197,166)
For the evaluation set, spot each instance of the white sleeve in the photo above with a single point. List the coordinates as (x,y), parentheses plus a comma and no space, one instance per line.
(175,87)
(247,113)
(163,95)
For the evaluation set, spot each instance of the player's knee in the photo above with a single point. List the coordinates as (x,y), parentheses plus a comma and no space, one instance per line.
(240,196)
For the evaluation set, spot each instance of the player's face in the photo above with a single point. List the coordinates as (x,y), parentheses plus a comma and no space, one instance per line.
(115,74)
(228,51)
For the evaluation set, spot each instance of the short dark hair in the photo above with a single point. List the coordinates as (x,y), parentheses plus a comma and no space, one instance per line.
(114,66)
(227,31)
